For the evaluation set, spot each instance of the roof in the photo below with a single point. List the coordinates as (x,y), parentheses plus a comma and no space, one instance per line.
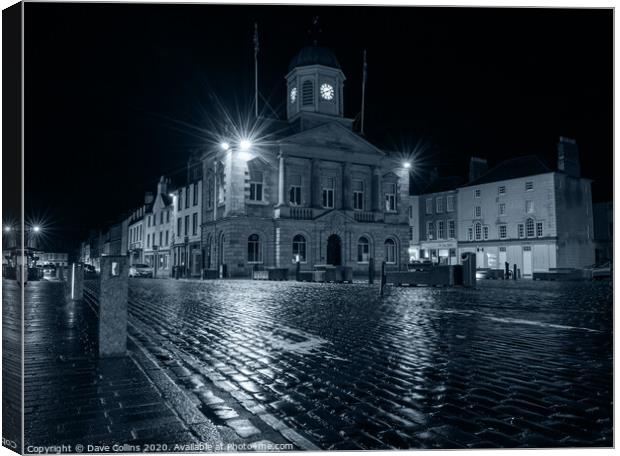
(314,55)
(514,168)
(442,184)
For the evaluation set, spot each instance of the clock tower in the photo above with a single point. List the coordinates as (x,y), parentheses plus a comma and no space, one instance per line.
(314,86)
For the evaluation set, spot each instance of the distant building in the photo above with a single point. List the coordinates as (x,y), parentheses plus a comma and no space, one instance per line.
(187,216)
(136,232)
(158,230)
(56,259)
(604,231)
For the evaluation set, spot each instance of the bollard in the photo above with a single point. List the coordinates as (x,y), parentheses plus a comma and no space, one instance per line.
(371,271)
(75,281)
(60,272)
(469,269)
(114,282)
(518,273)
(298,271)
(507,270)
(383,278)
(514,271)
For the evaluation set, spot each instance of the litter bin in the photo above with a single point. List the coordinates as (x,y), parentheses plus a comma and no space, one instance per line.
(469,269)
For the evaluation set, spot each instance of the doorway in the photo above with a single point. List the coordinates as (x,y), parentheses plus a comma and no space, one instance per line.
(527,262)
(334,250)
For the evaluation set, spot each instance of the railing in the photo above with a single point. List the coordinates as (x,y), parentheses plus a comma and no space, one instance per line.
(301,213)
(363,216)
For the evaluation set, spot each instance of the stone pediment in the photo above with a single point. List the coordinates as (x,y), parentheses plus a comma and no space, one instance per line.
(332,135)
(335,219)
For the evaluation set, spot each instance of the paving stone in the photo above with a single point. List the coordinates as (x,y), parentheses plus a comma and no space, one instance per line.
(243,427)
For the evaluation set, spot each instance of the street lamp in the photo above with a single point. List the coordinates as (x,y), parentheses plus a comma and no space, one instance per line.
(407,165)
(244,144)
(224,145)
(36,228)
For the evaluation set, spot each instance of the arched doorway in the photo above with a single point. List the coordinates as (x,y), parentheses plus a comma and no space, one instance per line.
(334,250)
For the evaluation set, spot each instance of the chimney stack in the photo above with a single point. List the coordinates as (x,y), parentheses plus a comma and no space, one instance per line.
(162,186)
(148,197)
(477,167)
(568,157)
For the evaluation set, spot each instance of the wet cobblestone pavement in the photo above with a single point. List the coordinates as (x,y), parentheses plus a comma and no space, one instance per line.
(510,364)
(73,398)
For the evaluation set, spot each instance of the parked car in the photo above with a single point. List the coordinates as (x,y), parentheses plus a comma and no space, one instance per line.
(601,270)
(141,270)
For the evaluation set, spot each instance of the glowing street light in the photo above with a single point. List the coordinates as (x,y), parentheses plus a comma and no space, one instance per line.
(36,228)
(244,144)
(225,145)
(7,228)
(407,165)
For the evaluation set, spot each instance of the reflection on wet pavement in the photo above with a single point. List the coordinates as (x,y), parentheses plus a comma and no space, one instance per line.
(510,364)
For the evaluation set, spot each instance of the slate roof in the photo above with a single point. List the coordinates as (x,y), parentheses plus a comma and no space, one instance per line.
(442,184)
(314,55)
(513,168)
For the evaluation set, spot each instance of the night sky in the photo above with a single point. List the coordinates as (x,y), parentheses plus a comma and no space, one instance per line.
(106,84)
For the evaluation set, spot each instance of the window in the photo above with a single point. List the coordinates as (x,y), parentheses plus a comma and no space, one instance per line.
(256,186)
(478,231)
(390,251)
(529,207)
(148,221)
(539,229)
(502,231)
(195,223)
(179,224)
(477,193)
(254,251)
(186,231)
(477,211)
(210,193)
(358,195)
(187,198)
(451,229)
(295,191)
(161,218)
(485,232)
(429,205)
(411,232)
(299,248)
(441,229)
(307,93)
(363,250)
(168,216)
(520,230)
(161,238)
(529,186)
(328,193)
(148,240)
(154,219)
(180,200)
(410,212)
(529,227)
(430,227)
(450,203)
(501,190)
(502,209)
(470,235)
(390,197)
(167,239)
(195,194)
(439,204)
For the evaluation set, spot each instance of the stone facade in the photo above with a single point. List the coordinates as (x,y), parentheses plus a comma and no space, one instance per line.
(318,193)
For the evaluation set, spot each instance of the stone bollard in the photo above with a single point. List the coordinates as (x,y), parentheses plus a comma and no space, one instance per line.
(469,269)
(507,270)
(514,271)
(371,271)
(297,270)
(114,283)
(383,278)
(75,282)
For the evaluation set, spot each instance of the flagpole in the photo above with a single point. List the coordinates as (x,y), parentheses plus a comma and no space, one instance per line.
(256,70)
(363,93)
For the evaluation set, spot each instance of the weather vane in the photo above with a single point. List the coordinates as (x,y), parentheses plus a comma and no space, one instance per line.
(315,30)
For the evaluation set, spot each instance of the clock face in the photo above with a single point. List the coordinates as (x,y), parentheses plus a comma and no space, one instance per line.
(327,91)
(293,94)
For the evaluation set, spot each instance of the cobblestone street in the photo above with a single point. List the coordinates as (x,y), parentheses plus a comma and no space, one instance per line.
(510,364)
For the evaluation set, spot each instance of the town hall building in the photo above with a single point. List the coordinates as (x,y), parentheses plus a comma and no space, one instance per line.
(316,193)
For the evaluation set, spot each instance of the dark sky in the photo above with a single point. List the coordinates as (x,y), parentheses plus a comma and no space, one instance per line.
(104,80)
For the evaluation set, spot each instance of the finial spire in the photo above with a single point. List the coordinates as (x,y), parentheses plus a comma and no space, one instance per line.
(315,30)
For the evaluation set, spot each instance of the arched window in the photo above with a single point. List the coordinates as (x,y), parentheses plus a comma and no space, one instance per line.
(363,250)
(390,251)
(307,93)
(254,250)
(478,231)
(299,248)
(529,227)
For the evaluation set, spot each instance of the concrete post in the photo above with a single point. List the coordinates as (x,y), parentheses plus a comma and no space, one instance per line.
(514,271)
(507,272)
(469,269)
(297,270)
(383,278)
(75,281)
(371,271)
(113,306)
